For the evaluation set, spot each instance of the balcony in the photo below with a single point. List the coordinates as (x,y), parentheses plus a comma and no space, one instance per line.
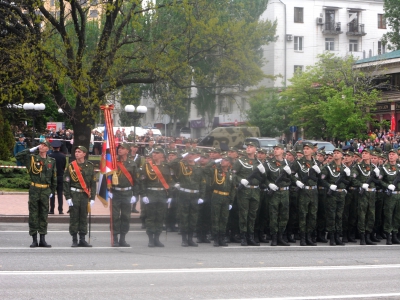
(355,29)
(332,28)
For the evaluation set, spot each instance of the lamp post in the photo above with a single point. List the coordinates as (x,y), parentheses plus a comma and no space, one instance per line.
(33,110)
(141,110)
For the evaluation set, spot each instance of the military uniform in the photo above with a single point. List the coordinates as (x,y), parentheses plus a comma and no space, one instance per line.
(19,146)
(42,172)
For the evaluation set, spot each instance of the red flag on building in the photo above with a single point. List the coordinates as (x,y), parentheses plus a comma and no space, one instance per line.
(393,124)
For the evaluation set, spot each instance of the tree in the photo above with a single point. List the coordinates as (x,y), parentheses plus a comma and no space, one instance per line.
(7,140)
(78,62)
(392,17)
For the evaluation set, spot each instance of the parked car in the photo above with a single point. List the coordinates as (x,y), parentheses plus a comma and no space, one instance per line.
(329,147)
(266,143)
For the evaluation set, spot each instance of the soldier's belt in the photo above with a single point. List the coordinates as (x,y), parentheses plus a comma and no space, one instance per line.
(77,190)
(155,189)
(370,190)
(221,193)
(395,192)
(189,191)
(283,188)
(340,190)
(313,187)
(252,186)
(352,188)
(42,186)
(122,189)
(379,191)
(321,188)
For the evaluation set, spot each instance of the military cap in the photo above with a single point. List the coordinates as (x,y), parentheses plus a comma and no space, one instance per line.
(322,152)
(345,148)
(56,144)
(82,148)
(299,151)
(321,148)
(357,153)
(291,152)
(329,154)
(205,154)
(134,145)
(393,150)
(214,149)
(227,158)
(21,136)
(367,150)
(233,149)
(172,152)
(349,153)
(308,144)
(194,141)
(262,150)
(251,144)
(125,145)
(158,150)
(46,143)
(279,146)
(338,149)
(375,153)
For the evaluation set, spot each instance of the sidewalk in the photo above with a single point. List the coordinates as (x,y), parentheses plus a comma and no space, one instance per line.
(14,208)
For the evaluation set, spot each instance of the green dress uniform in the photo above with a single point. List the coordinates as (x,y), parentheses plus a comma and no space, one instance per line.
(78,213)
(121,201)
(223,193)
(350,213)
(151,187)
(42,173)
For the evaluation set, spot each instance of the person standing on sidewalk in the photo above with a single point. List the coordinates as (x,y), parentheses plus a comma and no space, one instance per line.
(61,162)
(42,172)
(79,187)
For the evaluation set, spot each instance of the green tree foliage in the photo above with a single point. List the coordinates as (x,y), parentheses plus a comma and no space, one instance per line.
(392,15)
(7,140)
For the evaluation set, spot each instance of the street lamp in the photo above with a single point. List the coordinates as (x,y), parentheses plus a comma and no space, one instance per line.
(140,112)
(33,110)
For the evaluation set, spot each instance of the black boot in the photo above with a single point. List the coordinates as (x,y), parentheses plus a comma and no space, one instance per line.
(351,236)
(383,235)
(243,240)
(321,237)
(74,240)
(262,238)
(368,239)
(373,238)
(395,239)
(268,236)
(378,236)
(345,237)
(309,240)
(362,239)
(251,241)
(34,241)
(303,239)
(274,240)
(190,240)
(314,237)
(338,240)
(199,238)
(143,223)
(256,235)
(388,239)
(290,238)
(115,240)
(122,242)
(151,240)
(222,242)
(42,242)
(216,240)
(281,241)
(184,239)
(82,242)
(157,242)
(332,239)
(235,238)
(297,236)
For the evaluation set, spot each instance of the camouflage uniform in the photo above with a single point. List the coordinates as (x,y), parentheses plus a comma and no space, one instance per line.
(42,172)
(350,213)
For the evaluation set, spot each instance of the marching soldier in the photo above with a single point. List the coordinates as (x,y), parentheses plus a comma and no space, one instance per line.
(350,206)
(148,150)
(123,195)
(139,161)
(79,187)
(42,172)
(262,219)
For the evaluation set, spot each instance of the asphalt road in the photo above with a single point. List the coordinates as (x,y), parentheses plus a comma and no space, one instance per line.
(174,272)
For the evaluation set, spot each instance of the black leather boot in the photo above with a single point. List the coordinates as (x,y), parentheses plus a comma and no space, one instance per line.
(251,241)
(243,240)
(184,239)
(115,240)
(388,239)
(262,238)
(321,237)
(362,239)
(368,240)
(303,239)
(190,240)
(34,241)
(122,242)
(256,236)
(157,242)
(235,238)
(199,238)
(395,239)
(216,240)
(373,238)
(281,241)
(345,237)
(290,238)
(351,236)
(74,240)
(314,237)
(82,242)
(151,240)
(332,239)
(42,242)
(338,240)
(274,240)
(222,240)
(309,240)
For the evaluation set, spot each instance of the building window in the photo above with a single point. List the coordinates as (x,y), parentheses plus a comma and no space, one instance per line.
(93,13)
(381,48)
(298,69)
(298,43)
(353,46)
(330,20)
(330,44)
(353,21)
(381,21)
(298,14)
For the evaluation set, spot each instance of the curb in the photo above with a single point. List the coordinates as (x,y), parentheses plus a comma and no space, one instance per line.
(61,219)
(13,193)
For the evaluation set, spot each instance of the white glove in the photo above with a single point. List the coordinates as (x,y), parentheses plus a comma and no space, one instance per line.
(347,171)
(200,201)
(51,195)
(273,187)
(261,168)
(145,200)
(133,200)
(244,182)
(218,160)
(377,172)
(91,203)
(333,187)
(365,186)
(34,149)
(69,201)
(110,195)
(197,159)
(230,207)
(177,185)
(300,184)
(184,154)
(317,169)
(391,187)
(169,200)
(287,169)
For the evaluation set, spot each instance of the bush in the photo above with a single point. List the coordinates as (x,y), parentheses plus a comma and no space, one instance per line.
(13,178)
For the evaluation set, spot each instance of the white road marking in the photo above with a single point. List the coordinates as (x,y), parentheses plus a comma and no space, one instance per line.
(330,297)
(201,270)
(60,248)
(66,231)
